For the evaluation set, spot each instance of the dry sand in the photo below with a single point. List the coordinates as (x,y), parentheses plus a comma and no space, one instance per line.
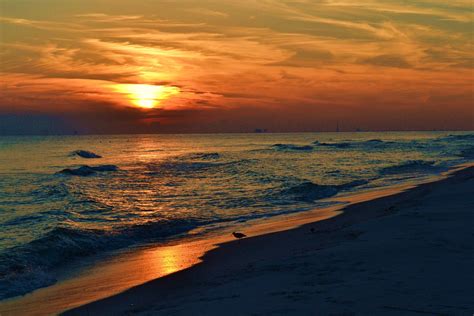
(406,254)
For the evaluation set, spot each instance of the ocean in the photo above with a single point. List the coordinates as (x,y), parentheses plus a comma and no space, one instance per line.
(56,206)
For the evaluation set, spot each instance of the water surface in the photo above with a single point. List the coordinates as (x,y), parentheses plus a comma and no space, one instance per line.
(167,186)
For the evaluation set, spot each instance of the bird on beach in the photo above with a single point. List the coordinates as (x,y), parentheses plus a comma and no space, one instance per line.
(239,235)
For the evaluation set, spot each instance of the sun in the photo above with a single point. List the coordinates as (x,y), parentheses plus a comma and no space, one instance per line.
(146,96)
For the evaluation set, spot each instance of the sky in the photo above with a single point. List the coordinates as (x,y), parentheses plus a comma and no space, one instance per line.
(179,66)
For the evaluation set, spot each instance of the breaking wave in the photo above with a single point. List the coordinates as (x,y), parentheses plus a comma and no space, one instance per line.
(368,144)
(334,145)
(85,171)
(205,156)
(85,154)
(291,147)
(309,191)
(413,166)
(27,267)
(462,137)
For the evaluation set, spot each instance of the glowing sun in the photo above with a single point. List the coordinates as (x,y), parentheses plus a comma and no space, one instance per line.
(146,96)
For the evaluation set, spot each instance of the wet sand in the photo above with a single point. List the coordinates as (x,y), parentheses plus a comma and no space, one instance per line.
(403,254)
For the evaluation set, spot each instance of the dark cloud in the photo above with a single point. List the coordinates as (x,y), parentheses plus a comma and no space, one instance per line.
(33,124)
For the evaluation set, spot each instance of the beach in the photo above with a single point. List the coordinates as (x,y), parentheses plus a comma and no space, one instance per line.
(407,253)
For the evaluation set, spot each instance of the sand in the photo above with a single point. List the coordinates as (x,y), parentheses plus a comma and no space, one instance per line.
(405,254)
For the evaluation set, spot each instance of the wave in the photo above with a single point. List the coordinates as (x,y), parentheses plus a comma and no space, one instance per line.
(85,171)
(291,147)
(85,154)
(372,143)
(309,191)
(380,144)
(461,137)
(30,266)
(413,166)
(335,145)
(205,156)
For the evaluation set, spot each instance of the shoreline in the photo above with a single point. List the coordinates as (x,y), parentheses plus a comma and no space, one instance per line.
(257,275)
(198,253)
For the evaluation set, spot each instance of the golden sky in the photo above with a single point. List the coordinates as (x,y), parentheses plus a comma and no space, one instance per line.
(211,66)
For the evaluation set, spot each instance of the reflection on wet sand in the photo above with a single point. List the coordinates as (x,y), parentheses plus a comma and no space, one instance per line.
(109,277)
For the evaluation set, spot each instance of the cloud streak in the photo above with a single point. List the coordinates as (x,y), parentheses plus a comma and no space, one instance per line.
(227,57)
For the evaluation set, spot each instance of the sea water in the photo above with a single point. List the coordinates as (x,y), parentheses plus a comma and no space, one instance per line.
(160,187)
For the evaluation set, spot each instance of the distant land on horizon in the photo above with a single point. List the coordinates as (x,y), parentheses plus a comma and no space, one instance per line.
(29,124)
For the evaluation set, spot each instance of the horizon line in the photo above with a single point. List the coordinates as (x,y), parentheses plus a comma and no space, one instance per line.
(243,132)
